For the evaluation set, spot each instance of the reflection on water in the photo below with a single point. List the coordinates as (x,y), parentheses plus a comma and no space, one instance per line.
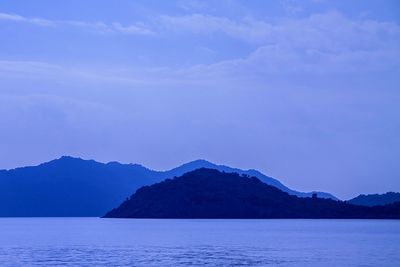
(116,242)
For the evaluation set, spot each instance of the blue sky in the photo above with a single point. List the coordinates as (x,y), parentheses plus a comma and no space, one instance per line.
(305,91)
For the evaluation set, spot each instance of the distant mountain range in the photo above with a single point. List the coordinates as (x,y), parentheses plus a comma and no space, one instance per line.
(71,186)
(209,193)
(75,187)
(376,199)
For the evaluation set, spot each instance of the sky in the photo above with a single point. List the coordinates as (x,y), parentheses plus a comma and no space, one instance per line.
(306,91)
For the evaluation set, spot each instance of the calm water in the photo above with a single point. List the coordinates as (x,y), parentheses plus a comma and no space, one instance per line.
(123,242)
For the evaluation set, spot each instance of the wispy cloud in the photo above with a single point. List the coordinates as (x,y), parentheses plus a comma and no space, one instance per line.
(331,29)
(328,42)
(276,60)
(38,70)
(45,71)
(320,43)
(18,18)
(135,29)
(247,29)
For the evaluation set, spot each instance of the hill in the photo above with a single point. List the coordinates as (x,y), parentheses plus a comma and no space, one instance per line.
(376,199)
(209,193)
(75,187)
(68,187)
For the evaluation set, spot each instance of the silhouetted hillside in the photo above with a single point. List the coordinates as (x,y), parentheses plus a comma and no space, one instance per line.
(69,187)
(74,187)
(208,193)
(376,199)
(197,164)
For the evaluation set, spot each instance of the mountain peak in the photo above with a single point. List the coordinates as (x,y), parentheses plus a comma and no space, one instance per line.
(199,161)
(66,157)
(75,159)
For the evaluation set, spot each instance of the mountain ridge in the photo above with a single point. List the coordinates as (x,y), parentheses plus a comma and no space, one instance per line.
(201,163)
(189,166)
(71,186)
(209,193)
(371,200)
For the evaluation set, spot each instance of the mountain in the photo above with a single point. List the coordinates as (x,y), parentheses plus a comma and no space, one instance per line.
(209,193)
(69,187)
(75,187)
(376,199)
(266,179)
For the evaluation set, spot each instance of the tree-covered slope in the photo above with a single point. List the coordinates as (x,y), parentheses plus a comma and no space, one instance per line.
(75,187)
(376,199)
(209,193)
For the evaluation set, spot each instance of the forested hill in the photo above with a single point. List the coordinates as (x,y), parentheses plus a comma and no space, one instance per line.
(71,186)
(376,199)
(209,193)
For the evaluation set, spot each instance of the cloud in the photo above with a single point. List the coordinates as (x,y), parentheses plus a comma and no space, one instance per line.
(36,70)
(247,29)
(134,29)
(276,60)
(138,28)
(18,18)
(326,30)
(321,43)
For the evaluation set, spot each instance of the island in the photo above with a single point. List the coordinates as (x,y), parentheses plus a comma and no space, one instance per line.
(209,193)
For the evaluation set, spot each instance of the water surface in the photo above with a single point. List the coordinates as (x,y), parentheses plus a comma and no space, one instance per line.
(143,242)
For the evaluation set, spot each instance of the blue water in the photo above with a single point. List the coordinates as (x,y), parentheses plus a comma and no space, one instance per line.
(131,242)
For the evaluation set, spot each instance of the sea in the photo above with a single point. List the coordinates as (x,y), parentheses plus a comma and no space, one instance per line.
(198,242)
